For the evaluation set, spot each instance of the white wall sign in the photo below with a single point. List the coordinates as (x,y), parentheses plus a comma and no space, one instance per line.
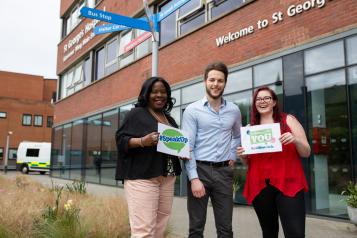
(276,17)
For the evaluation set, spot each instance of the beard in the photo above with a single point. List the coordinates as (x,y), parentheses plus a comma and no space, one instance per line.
(213,96)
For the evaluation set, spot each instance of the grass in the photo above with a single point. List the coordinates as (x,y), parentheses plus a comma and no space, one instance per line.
(28,209)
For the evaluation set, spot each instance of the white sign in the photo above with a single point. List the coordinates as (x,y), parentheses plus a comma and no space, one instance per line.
(173,141)
(261,138)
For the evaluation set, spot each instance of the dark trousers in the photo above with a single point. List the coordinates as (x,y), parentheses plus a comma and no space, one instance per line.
(218,185)
(271,204)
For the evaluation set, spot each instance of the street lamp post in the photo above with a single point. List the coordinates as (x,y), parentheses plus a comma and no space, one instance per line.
(7,150)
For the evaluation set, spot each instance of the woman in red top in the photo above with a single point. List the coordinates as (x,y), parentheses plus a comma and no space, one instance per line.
(275,182)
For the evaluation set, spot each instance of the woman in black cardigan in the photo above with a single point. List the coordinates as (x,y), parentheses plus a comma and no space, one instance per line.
(149,176)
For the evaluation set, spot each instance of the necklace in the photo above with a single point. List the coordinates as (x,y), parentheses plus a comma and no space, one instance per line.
(157,117)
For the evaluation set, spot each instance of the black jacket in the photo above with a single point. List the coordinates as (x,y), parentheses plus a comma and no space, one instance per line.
(141,162)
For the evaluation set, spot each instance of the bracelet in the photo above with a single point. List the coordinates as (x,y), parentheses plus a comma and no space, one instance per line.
(141,142)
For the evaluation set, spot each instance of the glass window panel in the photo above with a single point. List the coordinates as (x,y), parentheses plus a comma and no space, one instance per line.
(77,149)
(193,93)
(49,121)
(56,152)
(124,40)
(66,145)
(78,77)
(93,153)
(125,57)
(91,3)
(1,153)
(351,49)
(244,101)
(12,154)
(352,79)
(37,121)
(324,57)
(177,95)
(329,135)
(168,25)
(109,149)
(267,73)
(112,51)
(189,7)
(26,120)
(87,71)
(332,79)
(175,113)
(193,23)
(69,79)
(99,66)
(63,86)
(144,47)
(123,111)
(239,80)
(220,7)
(68,25)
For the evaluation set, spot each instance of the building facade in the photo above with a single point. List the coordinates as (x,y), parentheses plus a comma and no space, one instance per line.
(26,111)
(306,50)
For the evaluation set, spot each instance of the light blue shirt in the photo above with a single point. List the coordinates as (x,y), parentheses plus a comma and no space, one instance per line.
(214,136)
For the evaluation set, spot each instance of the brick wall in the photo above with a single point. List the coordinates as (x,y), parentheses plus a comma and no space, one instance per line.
(24,94)
(186,58)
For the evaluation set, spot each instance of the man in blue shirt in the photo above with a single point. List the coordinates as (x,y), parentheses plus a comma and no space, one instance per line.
(213,125)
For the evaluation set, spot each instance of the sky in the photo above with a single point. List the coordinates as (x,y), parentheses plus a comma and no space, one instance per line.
(29,33)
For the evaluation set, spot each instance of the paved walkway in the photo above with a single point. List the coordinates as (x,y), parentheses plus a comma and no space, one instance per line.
(244,220)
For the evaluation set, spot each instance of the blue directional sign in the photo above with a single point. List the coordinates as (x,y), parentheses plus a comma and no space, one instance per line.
(171,9)
(108,28)
(115,18)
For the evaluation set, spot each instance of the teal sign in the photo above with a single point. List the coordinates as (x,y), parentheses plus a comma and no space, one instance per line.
(173,139)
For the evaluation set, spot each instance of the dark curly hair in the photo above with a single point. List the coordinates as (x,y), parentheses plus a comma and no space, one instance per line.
(146,88)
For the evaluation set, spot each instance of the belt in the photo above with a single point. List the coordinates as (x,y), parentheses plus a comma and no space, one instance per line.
(213,164)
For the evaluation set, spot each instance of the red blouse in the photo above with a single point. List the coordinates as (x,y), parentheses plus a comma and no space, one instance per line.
(283,169)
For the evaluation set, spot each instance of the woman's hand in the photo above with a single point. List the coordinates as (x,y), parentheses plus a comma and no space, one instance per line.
(242,157)
(150,139)
(287,138)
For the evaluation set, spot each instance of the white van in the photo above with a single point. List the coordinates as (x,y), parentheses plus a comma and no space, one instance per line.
(33,156)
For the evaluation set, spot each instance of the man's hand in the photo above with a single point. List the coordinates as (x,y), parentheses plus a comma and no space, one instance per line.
(197,188)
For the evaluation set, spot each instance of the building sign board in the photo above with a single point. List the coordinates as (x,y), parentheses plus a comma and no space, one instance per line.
(137,41)
(162,15)
(115,18)
(276,17)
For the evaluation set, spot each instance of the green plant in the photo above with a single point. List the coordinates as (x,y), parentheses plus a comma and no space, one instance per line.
(78,186)
(351,194)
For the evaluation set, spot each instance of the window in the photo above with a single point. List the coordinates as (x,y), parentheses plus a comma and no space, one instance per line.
(144,47)
(26,119)
(76,78)
(351,49)
(32,152)
(191,16)
(220,7)
(73,18)
(99,63)
(1,153)
(37,120)
(12,154)
(125,57)
(269,72)
(111,59)
(3,114)
(324,57)
(49,121)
